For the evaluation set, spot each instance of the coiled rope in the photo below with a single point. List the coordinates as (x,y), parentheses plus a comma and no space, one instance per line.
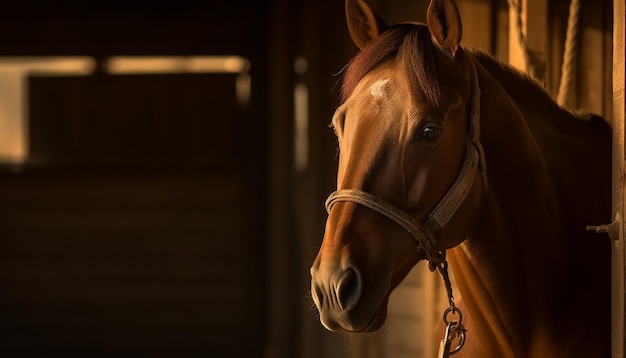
(568,66)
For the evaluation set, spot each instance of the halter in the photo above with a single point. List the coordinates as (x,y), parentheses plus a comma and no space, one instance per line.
(451,201)
(439,216)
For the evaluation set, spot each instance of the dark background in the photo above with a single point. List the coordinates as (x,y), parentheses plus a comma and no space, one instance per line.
(140,224)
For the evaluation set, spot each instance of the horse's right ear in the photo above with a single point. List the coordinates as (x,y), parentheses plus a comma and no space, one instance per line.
(363,23)
(444,22)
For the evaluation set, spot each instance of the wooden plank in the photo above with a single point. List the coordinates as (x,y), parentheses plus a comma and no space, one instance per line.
(432,286)
(283,297)
(619,248)
(591,69)
(607,74)
(500,30)
(477,34)
(534,27)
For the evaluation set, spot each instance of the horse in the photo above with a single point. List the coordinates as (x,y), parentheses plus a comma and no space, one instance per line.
(448,155)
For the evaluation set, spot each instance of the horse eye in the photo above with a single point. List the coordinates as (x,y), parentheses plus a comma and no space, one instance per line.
(430,132)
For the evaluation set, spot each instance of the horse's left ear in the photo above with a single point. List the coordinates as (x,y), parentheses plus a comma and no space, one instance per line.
(363,23)
(444,22)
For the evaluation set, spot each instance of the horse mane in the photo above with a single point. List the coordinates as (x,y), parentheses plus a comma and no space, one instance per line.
(530,93)
(412,45)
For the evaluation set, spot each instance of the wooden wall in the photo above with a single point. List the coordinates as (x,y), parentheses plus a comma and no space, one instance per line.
(130,229)
(137,225)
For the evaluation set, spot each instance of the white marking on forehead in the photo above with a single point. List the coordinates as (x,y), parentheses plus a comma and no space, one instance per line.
(378,88)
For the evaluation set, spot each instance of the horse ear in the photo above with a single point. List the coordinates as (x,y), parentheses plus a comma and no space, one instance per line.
(363,23)
(444,22)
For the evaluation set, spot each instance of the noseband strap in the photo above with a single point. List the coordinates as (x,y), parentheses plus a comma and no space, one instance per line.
(422,234)
(438,218)
(452,200)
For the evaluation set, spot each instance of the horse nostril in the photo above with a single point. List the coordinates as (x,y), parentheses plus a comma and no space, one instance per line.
(349,289)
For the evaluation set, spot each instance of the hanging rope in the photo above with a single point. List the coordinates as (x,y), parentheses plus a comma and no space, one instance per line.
(533,63)
(521,38)
(568,68)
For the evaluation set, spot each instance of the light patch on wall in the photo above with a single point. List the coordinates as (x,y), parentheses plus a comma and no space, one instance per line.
(14,72)
(130,65)
(301,116)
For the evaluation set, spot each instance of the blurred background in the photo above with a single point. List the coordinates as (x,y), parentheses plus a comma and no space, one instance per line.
(163,168)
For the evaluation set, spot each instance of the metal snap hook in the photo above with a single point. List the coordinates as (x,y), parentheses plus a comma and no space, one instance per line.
(454,330)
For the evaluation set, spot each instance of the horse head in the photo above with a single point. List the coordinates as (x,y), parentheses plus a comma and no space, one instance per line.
(407,145)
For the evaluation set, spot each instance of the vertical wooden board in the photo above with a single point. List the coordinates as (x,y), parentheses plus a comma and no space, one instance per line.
(500,30)
(282,293)
(432,285)
(534,26)
(13,139)
(619,249)
(477,34)
(607,75)
(591,59)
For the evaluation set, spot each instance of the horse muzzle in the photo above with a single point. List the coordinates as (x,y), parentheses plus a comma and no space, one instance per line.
(338,296)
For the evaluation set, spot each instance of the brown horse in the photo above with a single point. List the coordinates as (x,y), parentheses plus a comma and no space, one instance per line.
(450,156)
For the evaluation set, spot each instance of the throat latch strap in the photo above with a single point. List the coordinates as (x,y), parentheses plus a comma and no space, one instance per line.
(459,190)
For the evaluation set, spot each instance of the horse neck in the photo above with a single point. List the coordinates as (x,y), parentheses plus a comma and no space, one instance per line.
(540,157)
(503,269)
